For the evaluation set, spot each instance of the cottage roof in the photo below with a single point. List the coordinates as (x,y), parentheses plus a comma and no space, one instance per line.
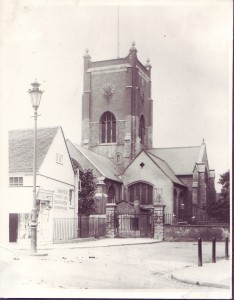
(21,148)
(181,159)
(103,164)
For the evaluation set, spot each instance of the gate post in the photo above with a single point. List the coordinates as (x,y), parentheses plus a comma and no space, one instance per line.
(158,216)
(110,220)
(100,196)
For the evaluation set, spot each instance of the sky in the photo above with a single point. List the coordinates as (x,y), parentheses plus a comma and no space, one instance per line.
(189,44)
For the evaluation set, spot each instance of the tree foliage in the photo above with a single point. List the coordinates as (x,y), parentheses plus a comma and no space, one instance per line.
(220,208)
(87,192)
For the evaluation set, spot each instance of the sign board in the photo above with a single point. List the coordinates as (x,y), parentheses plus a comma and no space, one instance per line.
(60,202)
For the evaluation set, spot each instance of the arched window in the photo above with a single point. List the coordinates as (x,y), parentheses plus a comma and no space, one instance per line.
(111,194)
(118,158)
(108,128)
(141,191)
(142,129)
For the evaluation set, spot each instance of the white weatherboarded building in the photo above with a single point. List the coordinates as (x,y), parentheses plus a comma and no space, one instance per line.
(56,185)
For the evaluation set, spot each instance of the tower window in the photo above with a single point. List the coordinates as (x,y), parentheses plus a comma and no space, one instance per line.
(108,128)
(142,129)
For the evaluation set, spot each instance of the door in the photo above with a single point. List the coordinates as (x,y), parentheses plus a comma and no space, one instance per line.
(13,228)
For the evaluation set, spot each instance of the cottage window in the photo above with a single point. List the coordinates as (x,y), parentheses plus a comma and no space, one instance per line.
(142,192)
(16,181)
(108,128)
(59,158)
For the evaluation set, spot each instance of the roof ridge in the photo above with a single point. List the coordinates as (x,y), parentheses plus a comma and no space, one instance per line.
(38,128)
(173,147)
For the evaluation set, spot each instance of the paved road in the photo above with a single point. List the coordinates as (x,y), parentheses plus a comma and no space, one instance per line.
(147,267)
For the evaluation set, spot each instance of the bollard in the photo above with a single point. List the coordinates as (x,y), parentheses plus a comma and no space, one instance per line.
(199,252)
(214,250)
(226,248)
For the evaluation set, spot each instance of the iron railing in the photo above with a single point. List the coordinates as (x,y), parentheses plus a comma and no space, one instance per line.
(171,219)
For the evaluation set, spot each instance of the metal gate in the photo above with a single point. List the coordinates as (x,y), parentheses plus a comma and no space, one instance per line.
(134,225)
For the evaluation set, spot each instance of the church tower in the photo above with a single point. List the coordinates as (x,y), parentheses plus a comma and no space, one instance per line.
(117,109)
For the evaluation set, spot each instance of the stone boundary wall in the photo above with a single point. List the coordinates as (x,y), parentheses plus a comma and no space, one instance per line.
(188,233)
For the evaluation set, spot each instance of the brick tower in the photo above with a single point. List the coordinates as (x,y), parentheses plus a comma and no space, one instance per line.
(117,109)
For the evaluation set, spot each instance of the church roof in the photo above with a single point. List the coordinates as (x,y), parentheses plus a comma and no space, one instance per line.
(103,164)
(181,159)
(21,148)
(165,168)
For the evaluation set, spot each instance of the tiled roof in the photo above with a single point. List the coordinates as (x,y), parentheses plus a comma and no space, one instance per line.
(21,148)
(181,159)
(166,169)
(103,164)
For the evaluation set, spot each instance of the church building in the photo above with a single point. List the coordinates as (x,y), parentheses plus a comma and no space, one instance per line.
(117,126)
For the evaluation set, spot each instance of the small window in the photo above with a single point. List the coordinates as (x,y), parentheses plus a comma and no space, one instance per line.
(16,181)
(142,129)
(59,158)
(118,158)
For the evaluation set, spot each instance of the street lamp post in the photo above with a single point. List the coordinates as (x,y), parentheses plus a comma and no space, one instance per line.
(35,95)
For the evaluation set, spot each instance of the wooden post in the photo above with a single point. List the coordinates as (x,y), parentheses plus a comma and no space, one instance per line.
(226,248)
(214,250)
(199,252)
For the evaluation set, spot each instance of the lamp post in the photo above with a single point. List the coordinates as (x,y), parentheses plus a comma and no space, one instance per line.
(35,95)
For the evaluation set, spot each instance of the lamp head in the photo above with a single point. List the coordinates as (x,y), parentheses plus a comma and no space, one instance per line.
(35,94)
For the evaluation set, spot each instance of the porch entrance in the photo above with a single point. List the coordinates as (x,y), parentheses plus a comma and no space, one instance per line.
(134,225)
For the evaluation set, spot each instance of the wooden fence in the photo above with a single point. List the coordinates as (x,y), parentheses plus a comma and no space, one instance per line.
(67,229)
(64,229)
(92,226)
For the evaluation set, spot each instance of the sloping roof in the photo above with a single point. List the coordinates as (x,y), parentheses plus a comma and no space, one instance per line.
(165,168)
(103,164)
(21,148)
(181,159)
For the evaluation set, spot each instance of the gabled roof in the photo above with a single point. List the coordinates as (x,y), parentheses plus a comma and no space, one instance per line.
(181,159)
(21,148)
(165,168)
(103,164)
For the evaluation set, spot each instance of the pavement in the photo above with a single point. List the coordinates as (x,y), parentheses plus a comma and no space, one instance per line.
(192,274)
(201,276)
